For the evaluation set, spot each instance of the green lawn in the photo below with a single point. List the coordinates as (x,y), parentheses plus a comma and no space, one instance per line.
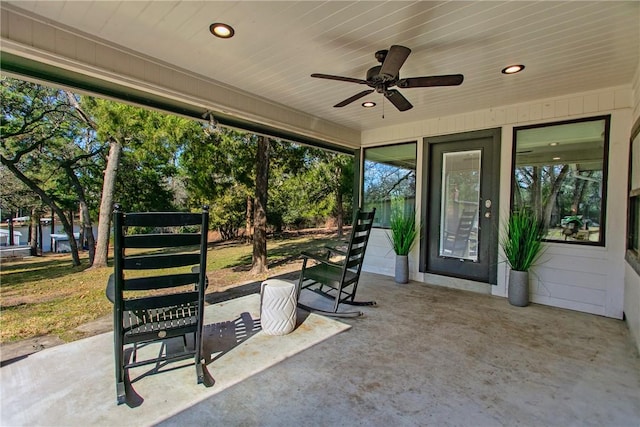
(47,295)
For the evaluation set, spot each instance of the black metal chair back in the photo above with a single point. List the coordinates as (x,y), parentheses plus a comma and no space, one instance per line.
(164,301)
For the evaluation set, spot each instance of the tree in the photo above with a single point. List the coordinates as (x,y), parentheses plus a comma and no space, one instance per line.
(218,169)
(39,145)
(146,143)
(341,185)
(259,259)
(16,196)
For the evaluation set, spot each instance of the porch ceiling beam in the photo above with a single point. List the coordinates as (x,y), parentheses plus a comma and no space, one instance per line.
(47,52)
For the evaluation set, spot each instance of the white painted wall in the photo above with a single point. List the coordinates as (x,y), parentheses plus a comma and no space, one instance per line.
(589,279)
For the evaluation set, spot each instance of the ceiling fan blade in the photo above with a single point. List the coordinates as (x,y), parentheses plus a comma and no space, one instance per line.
(339,78)
(448,80)
(396,98)
(394,60)
(353,98)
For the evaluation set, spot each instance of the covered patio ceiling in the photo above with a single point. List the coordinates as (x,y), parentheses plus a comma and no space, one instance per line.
(262,74)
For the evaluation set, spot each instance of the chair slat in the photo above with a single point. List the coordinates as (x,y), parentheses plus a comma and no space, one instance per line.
(359,240)
(361,215)
(160,282)
(356,251)
(161,240)
(361,228)
(161,219)
(354,263)
(159,301)
(150,262)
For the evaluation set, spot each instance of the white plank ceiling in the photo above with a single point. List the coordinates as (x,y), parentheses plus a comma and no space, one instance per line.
(566,47)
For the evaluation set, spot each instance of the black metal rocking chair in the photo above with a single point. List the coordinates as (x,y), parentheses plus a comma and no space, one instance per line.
(337,279)
(167,304)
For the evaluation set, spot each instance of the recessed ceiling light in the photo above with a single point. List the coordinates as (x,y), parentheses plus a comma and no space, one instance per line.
(556,158)
(553,144)
(368,104)
(512,69)
(221,30)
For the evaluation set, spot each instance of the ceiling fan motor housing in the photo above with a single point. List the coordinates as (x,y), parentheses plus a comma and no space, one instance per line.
(374,78)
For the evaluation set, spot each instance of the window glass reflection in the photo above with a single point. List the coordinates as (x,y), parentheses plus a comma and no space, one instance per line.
(560,174)
(389,176)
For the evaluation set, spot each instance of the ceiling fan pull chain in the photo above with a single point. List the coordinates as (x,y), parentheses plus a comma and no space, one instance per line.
(383,107)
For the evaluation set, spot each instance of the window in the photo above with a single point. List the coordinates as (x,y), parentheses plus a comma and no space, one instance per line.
(633,244)
(560,173)
(389,176)
(459,204)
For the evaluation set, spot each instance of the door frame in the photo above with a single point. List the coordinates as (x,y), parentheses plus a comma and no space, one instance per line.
(494,179)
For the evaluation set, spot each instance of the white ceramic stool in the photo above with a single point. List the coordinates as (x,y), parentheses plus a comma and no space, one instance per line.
(277,307)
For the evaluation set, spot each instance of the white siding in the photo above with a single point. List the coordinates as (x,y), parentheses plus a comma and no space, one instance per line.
(584,278)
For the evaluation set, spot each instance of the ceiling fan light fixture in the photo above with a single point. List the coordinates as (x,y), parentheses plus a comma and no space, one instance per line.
(221,30)
(512,69)
(368,104)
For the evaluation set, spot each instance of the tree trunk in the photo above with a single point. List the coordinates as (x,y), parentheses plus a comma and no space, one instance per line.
(86,226)
(41,234)
(52,231)
(249,223)
(67,225)
(10,224)
(553,195)
(581,184)
(87,231)
(106,204)
(339,208)
(33,227)
(259,264)
(536,195)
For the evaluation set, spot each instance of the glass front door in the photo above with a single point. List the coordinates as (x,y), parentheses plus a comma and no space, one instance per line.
(461,239)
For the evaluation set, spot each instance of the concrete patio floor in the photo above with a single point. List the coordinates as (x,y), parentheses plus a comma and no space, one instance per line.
(434,356)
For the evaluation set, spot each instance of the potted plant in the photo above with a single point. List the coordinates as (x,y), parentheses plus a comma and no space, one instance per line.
(402,237)
(522,246)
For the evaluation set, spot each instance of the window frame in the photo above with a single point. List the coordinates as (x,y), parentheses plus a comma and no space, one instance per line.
(605,173)
(364,160)
(632,255)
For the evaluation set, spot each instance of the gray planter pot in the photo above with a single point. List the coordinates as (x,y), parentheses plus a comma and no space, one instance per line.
(402,269)
(518,288)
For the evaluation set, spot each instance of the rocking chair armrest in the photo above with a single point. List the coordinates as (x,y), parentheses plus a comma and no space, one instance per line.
(336,250)
(110,291)
(320,259)
(196,269)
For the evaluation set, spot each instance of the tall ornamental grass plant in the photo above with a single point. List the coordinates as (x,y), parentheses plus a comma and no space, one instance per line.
(522,240)
(403,232)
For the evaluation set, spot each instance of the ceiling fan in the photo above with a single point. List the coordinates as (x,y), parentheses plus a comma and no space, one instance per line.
(383,77)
